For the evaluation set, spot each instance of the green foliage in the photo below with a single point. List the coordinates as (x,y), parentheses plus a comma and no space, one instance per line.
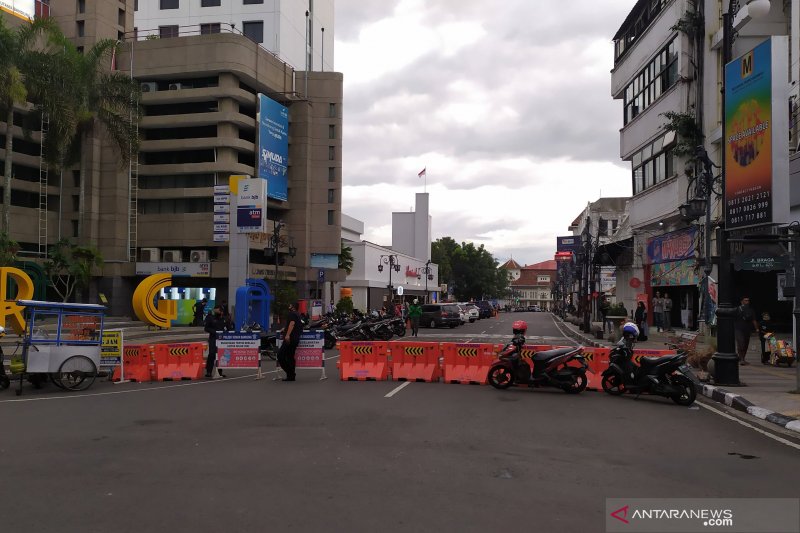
(8,250)
(345,305)
(346,259)
(470,270)
(70,267)
(691,24)
(285,293)
(690,136)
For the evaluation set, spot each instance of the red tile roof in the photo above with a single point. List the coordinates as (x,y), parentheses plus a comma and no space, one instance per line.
(544,265)
(511,265)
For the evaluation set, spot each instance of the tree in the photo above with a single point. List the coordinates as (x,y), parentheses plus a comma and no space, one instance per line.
(346,259)
(345,305)
(8,250)
(16,47)
(285,293)
(442,252)
(70,267)
(471,271)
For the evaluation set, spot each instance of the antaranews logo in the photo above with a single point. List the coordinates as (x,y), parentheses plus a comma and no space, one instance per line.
(621,514)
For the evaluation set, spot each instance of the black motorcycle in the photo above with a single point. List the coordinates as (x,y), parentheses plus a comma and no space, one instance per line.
(550,368)
(667,376)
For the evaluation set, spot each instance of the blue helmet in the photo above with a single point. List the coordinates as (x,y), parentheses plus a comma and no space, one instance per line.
(630,330)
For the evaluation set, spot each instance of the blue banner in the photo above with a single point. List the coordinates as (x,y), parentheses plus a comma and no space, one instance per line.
(273,146)
(569,243)
(675,246)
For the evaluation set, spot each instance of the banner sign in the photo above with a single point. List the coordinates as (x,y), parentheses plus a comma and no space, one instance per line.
(311,350)
(192,270)
(238,350)
(222,209)
(24,9)
(675,246)
(326,261)
(111,348)
(569,243)
(756,136)
(273,146)
(674,274)
(251,205)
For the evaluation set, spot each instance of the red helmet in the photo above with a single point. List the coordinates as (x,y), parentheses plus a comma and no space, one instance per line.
(519,326)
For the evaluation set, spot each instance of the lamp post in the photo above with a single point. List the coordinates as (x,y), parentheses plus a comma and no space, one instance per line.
(275,242)
(392,261)
(428,276)
(586,239)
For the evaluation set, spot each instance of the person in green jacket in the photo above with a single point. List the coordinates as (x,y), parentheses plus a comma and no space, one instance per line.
(414,313)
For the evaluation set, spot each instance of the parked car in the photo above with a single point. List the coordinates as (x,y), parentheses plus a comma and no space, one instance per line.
(485,308)
(462,313)
(435,315)
(473,313)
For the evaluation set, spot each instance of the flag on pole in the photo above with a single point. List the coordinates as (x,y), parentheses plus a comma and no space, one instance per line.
(422,172)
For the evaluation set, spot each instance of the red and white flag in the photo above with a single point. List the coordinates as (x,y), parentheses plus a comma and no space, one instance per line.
(422,172)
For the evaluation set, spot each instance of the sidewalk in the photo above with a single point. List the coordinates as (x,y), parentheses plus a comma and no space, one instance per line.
(765,391)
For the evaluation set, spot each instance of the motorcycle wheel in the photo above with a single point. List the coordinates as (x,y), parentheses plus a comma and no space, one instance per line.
(689,393)
(612,384)
(330,342)
(4,382)
(385,334)
(500,377)
(400,332)
(579,385)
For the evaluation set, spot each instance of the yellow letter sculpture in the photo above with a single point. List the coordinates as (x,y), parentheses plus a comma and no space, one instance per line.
(10,312)
(144,298)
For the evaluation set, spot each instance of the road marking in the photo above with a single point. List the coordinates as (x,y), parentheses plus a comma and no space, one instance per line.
(745,424)
(153,389)
(555,323)
(397,389)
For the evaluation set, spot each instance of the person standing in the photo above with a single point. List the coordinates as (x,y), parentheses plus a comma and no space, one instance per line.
(666,321)
(604,307)
(199,310)
(658,310)
(415,313)
(214,322)
(291,338)
(640,317)
(744,326)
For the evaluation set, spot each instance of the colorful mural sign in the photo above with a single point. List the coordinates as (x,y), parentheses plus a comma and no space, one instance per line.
(674,274)
(675,246)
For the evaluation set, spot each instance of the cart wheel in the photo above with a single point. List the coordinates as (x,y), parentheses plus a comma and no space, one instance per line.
(76,373)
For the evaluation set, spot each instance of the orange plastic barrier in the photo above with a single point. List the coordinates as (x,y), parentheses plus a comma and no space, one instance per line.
(597,359)
(363,361)
(179,361)
(467,363)
(136,358)
(415,361)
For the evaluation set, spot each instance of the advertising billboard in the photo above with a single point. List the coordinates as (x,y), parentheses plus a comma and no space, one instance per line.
(675,246)
(756,137)
(569,243)
(251,206)
(24,9)
(273,146)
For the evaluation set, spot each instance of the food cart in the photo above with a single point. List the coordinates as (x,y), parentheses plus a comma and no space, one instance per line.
(61,341)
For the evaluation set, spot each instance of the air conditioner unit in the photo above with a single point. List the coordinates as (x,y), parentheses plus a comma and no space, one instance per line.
(173,256)
(175,86)
(149,255)
(198,256)
(149,87)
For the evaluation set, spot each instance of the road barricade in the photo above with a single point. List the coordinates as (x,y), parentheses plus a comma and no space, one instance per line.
(137,359)
(415,361)
(467,363)
(363,361)
(597,359)
(175,362)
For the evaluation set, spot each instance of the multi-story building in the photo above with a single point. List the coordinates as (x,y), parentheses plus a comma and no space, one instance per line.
(199,127)
(299,32)
(534,285)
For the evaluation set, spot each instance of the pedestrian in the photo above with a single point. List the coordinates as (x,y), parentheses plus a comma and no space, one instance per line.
(226,315)
(214,322)
(414,313)
(622,310)
(666,321)
(744,326)
(763,328)
(640,317)
(604,307)
(291,338)
(658,311)
(199,310)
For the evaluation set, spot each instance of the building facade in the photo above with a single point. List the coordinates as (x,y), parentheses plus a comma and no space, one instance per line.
(533,287)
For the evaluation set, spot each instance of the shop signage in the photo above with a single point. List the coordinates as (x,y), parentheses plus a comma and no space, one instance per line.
(569,243)
(251,206)
(675,246)
(761,261)
(193,270)
(674,274)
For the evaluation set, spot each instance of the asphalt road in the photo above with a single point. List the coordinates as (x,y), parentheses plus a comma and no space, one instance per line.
(245,455)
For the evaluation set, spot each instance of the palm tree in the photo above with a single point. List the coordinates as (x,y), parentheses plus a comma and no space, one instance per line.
(85,95)
(346,259)
(16,49)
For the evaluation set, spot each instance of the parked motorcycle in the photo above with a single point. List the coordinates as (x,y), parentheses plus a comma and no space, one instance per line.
(550,367)
(667,376)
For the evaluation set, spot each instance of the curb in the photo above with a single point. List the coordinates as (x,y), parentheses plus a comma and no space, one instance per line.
(574,335)
(735,401)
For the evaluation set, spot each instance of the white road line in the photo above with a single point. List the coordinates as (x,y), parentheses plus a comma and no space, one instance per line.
(745,424)
(569,339)
(153,389)
(397,389)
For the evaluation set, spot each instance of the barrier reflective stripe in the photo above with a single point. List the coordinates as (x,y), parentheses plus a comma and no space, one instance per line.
(184,361)
(597,359)
(415,361)
(363,361)
(467,363)
(137,359)
(638,354)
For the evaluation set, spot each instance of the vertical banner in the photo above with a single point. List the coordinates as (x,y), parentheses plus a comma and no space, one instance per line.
(111,348)
(222,213)
(251,206)
(756,137)
(273,146)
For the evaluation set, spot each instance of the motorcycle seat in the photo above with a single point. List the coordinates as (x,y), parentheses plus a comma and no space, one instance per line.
(653,361)
(550,354)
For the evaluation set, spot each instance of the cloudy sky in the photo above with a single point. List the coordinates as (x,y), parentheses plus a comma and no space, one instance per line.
(507,104)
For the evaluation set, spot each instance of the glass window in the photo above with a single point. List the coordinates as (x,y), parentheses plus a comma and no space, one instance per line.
(209,3)
(331,153)
(248,2)
(647,153)
(331,173)
(166,32)
(648,174)
(212,27)
(82,6)
(331,195)
(661,171)
(331,131)
(637,159)
(169,4)
(638,184)
(332,110)
(331,217)
(80,28)
(254,30)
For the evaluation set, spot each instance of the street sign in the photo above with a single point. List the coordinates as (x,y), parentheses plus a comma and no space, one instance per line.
(321,275)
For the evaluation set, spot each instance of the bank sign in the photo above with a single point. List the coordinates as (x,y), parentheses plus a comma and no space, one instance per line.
(273,146)
(569,243)
(756,137)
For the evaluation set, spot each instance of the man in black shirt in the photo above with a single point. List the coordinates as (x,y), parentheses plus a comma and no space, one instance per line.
(744,326)
(214,322)
(291,338)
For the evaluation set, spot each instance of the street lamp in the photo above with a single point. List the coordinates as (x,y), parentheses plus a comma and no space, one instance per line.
(276,240)
(726,362)
(394,265)
(428,276)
